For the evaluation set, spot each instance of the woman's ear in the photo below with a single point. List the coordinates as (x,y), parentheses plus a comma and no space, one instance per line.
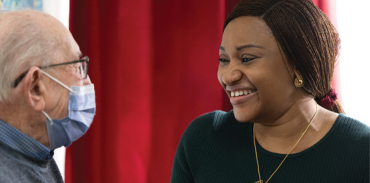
(34,89)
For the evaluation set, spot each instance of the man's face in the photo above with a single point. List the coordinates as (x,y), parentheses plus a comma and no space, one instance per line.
(37,92)
(56,99)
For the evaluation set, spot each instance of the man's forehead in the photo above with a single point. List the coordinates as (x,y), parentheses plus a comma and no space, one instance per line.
(2,13)
(48,26)
(29,15)
(22,18)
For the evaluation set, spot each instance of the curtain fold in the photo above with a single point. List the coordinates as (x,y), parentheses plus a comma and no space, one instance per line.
(154,66)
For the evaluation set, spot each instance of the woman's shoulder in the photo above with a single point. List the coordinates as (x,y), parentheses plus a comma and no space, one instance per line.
(352,127)
(352,134)
(208,122)
(201,131)
(218,124)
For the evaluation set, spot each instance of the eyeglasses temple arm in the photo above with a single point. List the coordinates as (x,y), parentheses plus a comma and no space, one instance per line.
(19,79)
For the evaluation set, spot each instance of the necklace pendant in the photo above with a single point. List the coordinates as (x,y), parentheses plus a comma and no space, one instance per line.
(260,181)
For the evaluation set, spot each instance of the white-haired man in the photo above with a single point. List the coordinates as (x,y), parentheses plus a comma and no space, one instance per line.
(46,98)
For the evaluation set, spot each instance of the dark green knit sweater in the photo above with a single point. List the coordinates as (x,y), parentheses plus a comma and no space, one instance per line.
(216,148)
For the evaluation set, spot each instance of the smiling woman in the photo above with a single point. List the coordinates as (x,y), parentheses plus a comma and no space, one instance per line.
(276,65)
(252,60)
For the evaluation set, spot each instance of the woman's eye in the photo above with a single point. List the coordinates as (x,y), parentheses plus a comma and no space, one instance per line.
(247,59)
(223,60)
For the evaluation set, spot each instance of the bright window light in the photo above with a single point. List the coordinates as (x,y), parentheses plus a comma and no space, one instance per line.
(354,30)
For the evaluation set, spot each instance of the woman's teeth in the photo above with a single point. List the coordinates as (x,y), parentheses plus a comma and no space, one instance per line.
(241,92)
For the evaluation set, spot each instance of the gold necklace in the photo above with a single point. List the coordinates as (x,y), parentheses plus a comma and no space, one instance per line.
(255,150)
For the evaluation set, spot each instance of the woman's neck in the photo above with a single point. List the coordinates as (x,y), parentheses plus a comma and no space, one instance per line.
(281,135)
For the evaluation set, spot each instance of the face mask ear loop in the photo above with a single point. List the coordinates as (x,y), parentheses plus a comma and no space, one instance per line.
(47,116)
(51,136)
(51,77)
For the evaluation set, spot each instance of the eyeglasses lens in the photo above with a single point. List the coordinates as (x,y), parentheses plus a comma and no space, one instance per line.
(83,69)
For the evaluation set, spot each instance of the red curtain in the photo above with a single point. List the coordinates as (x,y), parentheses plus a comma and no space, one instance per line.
(154,65)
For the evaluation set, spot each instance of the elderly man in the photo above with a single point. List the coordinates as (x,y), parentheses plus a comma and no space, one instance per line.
(46,98)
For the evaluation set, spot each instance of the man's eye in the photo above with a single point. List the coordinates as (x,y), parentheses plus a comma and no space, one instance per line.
(223,60)
(247,59)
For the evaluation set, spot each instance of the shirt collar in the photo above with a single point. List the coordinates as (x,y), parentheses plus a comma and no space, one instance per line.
(22,143)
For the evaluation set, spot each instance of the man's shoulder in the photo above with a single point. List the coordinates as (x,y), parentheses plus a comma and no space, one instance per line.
(7,154)
(33,170)
(9,169)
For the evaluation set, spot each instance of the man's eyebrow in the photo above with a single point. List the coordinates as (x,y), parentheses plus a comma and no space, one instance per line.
(244,46)
(79,55)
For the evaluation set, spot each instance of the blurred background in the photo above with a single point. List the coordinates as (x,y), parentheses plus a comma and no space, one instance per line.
(154,65)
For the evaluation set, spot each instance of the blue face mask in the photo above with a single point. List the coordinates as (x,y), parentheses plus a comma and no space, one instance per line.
(81,112)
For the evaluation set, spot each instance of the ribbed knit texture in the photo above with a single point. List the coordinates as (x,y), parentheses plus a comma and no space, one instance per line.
(215,148)
(16,167)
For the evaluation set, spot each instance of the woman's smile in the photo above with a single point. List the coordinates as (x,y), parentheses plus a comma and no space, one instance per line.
(242,99)
(240,96)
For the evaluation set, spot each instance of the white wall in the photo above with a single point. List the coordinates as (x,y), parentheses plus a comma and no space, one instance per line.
(354,30)
(60,10)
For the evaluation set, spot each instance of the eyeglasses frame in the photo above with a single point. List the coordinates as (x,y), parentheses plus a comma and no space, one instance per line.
(83,59)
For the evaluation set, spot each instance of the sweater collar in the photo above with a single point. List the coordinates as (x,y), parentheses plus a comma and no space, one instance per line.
(23,143)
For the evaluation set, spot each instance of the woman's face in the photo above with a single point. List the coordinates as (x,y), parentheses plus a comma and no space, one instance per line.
(253,72)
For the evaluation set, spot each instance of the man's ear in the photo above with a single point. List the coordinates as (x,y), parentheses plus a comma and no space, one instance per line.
(34,89)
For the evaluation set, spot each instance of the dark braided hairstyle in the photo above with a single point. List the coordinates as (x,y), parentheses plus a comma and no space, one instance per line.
(306,36)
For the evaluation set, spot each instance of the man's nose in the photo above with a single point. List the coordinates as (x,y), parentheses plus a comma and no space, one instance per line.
(87,81)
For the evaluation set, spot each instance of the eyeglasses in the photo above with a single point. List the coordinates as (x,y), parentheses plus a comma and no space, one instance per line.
(83,69)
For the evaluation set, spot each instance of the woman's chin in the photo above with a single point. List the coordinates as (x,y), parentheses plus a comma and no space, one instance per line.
(242,116)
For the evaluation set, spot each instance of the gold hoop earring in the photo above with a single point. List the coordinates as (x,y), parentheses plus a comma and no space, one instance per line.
(298,82)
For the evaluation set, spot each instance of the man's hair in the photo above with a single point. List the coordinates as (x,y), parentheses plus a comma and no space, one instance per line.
(304,33)
(24,43)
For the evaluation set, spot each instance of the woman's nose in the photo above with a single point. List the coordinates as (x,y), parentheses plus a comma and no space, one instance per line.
(231,76)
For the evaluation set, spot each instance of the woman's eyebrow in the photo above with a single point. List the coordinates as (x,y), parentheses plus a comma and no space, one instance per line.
(244,46)
(249,46)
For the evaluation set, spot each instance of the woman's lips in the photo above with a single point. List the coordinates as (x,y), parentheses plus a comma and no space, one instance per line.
(241,99)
